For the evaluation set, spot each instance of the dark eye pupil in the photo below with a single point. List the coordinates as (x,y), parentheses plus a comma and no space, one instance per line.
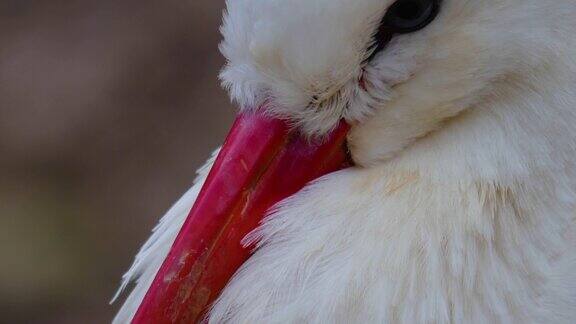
(408,10)
(406,16)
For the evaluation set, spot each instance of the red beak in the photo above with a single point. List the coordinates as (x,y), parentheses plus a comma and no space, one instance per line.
(262,162)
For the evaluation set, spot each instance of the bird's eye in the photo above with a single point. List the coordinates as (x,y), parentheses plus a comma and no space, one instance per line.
(406,16)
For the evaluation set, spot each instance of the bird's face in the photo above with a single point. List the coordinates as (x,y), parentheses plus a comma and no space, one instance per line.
(392,68)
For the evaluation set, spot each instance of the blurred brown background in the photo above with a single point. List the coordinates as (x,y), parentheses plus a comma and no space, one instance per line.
(107,107)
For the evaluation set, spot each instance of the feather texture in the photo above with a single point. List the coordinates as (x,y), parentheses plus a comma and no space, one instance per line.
(461,206)
(154,251)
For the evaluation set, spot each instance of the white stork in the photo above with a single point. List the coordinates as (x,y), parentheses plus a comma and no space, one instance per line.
(460,206)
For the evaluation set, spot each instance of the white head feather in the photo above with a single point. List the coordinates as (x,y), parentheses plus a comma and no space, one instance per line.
(474,112)
(305,58)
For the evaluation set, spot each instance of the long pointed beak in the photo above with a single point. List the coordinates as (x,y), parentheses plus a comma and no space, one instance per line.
(262,162)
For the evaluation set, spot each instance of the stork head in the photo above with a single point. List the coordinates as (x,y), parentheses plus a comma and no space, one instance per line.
(394,69)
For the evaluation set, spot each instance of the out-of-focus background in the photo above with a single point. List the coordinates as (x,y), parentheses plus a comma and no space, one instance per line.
(107,107)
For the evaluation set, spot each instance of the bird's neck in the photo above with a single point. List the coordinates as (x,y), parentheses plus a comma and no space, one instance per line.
(524,128)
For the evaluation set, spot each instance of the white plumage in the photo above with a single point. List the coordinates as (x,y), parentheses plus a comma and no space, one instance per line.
(461,208)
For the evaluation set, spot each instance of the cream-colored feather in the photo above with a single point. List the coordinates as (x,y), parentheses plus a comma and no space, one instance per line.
(461,206)
(154,251)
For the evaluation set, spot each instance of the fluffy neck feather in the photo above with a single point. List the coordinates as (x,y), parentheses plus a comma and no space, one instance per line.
(521,125)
